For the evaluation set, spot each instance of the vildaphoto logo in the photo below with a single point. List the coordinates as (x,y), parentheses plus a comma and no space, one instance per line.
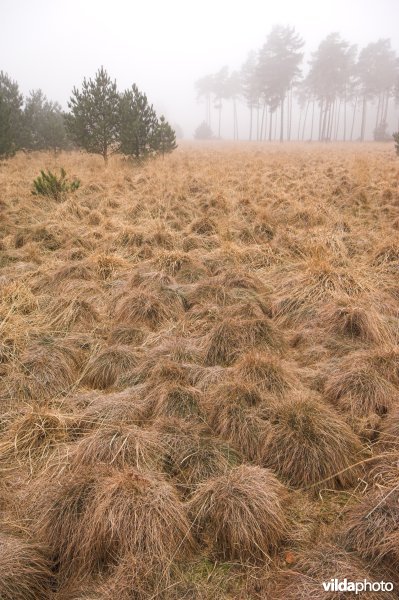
(344,585)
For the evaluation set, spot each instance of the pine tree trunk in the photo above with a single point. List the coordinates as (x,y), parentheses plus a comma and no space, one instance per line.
(250,122)
(299,125)
(386,108)
(282,121)
(323,128)
(270,125)
(304,121)
(378,111)
(337,124)
(321,118)
(262,121)
(311,128)
(353,119)
(235,118)
(363,125)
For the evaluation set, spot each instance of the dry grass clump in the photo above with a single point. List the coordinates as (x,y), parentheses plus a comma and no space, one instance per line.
(118,408)
(231,337)
(309,446)
(175,400)
(72,312)
(198,458)
(265,371)
(355,385)
(389,431)
(58,513)
(126,335)
(92,519)
(25,570)
(119,446)
(306,286)
(353,321)
(137,513)
(107,365)
(143,307)
(30,439)
(371,527)
(203,226)
(235,411)
(48,367)
(180,265)
(192,454)
(387,255)
(325,562)
(240,516)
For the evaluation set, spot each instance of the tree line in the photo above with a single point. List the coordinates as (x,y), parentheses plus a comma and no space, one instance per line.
(340,83)
(100,120)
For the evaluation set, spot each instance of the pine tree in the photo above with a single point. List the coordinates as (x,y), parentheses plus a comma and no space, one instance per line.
(10,116)
(203,132)
(44,124)
(138,124)
(93,122)
(277,70)
(165,137)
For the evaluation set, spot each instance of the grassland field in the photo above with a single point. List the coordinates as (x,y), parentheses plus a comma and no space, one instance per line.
(199,374)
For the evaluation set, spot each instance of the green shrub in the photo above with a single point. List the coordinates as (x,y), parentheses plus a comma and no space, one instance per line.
(396,139)
(48,184)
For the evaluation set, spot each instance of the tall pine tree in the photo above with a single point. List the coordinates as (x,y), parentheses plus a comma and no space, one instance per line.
(138,124)
(10,116)
(93,122)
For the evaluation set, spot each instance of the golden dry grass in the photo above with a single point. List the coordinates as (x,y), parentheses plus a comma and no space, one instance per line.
(203,346)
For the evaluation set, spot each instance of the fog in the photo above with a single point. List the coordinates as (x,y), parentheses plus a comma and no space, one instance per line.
(165,47)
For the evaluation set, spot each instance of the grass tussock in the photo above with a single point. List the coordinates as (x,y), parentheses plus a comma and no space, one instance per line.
(31,438)
(265,371)
(240,516)
(118,446)
(357,386)
(309,446)
(25,570)
(323,563)
(372,526)
(107,365)
(93,517)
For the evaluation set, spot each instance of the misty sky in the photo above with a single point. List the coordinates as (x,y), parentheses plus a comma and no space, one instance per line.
(164,46)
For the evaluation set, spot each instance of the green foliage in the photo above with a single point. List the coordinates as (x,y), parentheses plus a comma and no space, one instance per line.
(396,140)
(48,184)
(10,116)
(165,137)
(93,122)
(203,132)
(44,124)
(138,124)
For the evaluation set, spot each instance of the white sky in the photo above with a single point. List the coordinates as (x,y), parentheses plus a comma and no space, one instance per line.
(164,46)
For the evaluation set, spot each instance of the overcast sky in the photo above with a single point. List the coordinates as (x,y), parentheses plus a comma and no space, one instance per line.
(165,45)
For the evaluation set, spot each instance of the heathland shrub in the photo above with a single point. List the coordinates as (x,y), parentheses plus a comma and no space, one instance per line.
(48,184)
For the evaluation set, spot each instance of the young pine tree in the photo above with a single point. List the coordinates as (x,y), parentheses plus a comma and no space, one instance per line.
(44,124)
(165,137)
(10,116)
(138,124)
(93,122)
